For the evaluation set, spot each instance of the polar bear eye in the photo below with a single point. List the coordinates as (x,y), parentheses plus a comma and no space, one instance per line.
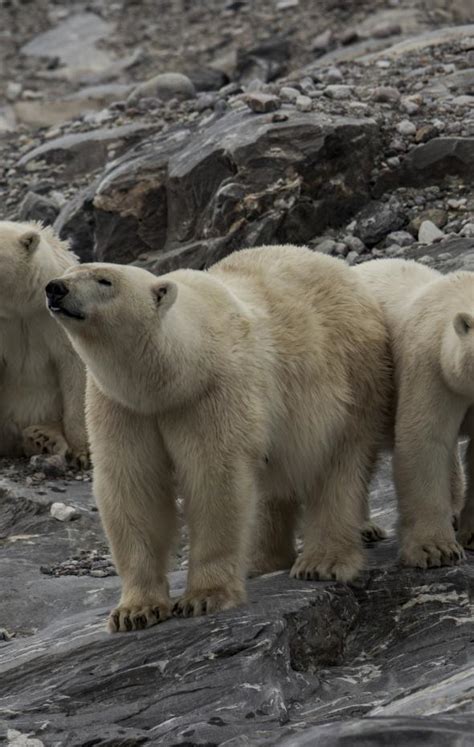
(103,281)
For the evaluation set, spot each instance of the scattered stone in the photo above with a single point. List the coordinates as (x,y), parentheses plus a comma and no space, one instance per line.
(405,127)
(400,238)
(352,258)
(165,86)
(13,90)
(334,75)
(338,92)
(52,465)
(322,42)
(429,233)
(384,30)
(304,104)
(386,94)
(286,4)
(468,230)
(38,207)
(287,93)
(61,512)
(354,244)
(262,102)
(457,204)
(377,220)
(425,133)
(434,215)
(327,246)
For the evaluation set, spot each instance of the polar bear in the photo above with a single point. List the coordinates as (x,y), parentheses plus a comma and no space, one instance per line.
(430,318)
(42,380)
(252,388)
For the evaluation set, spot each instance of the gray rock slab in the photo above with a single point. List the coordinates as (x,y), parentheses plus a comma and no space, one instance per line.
(74,42)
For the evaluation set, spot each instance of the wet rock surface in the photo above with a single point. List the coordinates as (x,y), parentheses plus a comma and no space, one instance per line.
(301,663)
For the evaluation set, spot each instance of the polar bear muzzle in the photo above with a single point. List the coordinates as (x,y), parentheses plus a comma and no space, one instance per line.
(56,292)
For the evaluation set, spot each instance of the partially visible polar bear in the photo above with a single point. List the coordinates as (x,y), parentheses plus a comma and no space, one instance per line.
(42,380)
(254,387)
(431,322)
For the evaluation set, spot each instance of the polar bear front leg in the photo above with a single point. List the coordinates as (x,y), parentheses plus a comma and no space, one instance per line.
(334,517)
(134,488)
(220,510)
(425,447)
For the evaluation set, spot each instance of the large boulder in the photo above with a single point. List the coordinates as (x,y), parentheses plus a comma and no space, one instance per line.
(242,179)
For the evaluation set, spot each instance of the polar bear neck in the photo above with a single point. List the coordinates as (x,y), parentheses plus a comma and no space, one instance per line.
(153,371)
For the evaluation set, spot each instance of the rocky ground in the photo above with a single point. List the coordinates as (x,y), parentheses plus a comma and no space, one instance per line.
(348,126)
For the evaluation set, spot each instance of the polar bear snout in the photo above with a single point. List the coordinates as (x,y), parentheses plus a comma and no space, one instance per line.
(56,290)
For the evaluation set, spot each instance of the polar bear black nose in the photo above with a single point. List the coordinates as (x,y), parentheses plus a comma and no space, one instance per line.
(55,290)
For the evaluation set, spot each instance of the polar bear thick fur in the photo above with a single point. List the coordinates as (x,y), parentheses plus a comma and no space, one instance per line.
(251,389)
(430,317)
(42,380)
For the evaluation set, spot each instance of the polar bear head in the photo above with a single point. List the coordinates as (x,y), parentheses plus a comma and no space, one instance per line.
(117,318)
(100,299)
(30,255)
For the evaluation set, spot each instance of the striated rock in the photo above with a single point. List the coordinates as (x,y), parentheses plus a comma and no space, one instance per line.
(300,664)
(191,196)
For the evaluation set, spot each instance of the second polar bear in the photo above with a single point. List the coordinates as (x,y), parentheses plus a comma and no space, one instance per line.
(252,388)
(430,317)
(42,380)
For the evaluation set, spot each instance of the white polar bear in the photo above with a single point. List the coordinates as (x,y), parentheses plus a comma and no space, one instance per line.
(42,380)
(430,318)
(251,388)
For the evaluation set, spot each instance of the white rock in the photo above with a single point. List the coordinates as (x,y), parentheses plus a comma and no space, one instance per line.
(61,512)
(304,104)
(467,231)
(428,233)
(333,75)
(13,90)
(337,92)
(405,127)
(17,739)
(287,93)
(284,4)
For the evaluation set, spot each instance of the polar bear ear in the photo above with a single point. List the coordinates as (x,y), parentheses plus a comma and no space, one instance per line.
(30,240)
(463,323)
(165,294)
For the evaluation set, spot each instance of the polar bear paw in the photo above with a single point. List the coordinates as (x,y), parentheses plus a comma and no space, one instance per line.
(371,532)
(206,602)
(42,439)
(125,618)
(329,566)
(431,553)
